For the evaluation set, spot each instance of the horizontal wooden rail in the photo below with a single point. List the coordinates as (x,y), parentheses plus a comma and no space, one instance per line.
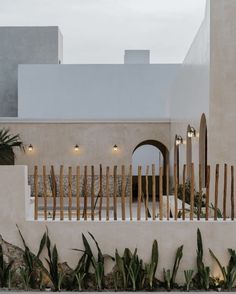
(124,193)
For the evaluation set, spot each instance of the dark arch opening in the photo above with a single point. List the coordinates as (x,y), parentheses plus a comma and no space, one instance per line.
(165,155)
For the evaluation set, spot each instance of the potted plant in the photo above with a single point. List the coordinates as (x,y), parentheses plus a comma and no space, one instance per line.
(7,144)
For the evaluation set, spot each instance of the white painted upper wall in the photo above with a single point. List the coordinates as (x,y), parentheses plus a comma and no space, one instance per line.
(190,93)
(95,92)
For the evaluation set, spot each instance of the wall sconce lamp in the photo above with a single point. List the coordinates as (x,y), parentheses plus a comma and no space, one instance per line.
(178,140)
(30,148)
(115,147)
(76,148)
(192,132)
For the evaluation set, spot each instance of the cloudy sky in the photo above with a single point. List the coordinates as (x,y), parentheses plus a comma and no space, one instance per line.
(98,31)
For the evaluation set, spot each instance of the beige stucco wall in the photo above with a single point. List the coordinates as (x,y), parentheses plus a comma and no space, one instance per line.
(110,235)
(54,142)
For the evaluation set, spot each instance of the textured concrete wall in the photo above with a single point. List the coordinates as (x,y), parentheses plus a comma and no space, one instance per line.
(95,92)
(23,45)
(54,142)
(111,235)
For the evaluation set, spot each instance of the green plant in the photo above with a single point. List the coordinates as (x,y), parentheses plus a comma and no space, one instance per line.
(5,270)
(218,212)
(150,268)
(7,143)
(188,274)
(54,274)
(32,262)
(89,259)
(228,273)
(130,269)
(25,276)
(79,278)
(202,277)
(170,279)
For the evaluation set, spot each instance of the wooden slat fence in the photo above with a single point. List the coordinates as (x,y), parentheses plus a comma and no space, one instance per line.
(79,194)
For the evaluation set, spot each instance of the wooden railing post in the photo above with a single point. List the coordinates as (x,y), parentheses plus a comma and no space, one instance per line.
(192,192)
(225,192)
(184,192)
(153,192)
(100,193)
(208,191)
(216,191)
(69,192)
(123,192)
(107,194)
(92,192)
(199,209)
(54,192)
(167,192)
(85,191)
(115,193)
(45,205)
(36,193)
(131,192)
(160,195)
(175,192)
(78,193)
(147,193)
(232,192)
(61,192)
(139,192)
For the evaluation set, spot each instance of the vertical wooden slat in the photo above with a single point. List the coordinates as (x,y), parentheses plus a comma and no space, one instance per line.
(208,191)
(216,191)
(175,192)
(78,193)
(115,194)
(232,192)
(167,191)
(139,192)
(107,194)
(153,192)
(160,193)
(54,192)
(225,191)
(130,192)
(85,192)
(123,192)
(35,192)
(184,192)
(147,193)
(192,192)
(199,209)
(92,192)
(69,192)
(61,192)
(45,205)
(100,193)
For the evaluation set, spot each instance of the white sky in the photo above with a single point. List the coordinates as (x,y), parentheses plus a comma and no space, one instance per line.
(98,31)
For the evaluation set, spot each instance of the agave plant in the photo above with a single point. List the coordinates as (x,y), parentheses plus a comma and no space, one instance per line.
(202,278)
(7,143)
(30,273)
(170,278)
(228,273)
(188,274)
(5,270)
(150,268)
(130,269)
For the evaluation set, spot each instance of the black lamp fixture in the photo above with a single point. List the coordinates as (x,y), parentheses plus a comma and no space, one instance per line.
(178,140)
(76,148)
(30,148)
(115,147)
(192,132)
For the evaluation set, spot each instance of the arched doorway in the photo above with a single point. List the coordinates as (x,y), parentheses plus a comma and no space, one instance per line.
(203,148)
(145,154)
